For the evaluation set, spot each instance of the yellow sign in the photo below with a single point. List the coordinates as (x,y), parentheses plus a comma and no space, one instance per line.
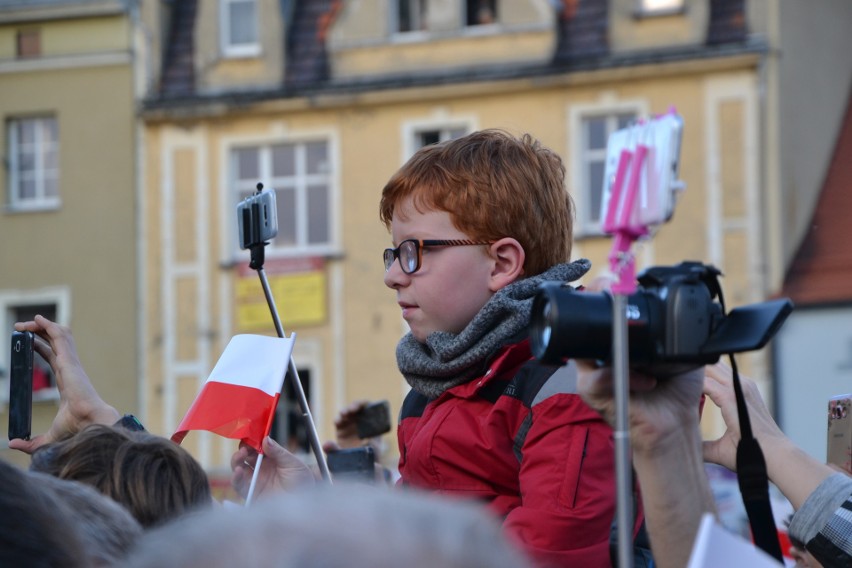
(300,298)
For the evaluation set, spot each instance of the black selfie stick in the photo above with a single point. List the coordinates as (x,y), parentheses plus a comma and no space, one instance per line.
(256,263)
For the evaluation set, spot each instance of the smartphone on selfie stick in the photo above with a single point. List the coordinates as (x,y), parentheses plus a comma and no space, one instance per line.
(257,218)
(21,385)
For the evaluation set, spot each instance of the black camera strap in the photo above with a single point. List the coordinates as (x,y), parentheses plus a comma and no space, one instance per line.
(753,479)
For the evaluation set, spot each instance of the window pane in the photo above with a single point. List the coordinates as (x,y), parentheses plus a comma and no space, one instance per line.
(26,161)
(285,199)
(26,131)
(596,173)
(51,157)
(284,160)
(248,163)
(243,22)
(456,133)
(481,12)
(430,137)
(625,120)
(49,130)
(318,214)
(596,133)
(317,157)
(51,187)
(42,374)
(27,188)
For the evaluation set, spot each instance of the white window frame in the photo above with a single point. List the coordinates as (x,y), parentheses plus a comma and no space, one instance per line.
(9,299)
(330,178)
(230,49)
(580,156)
(659,7)
(412,130)
(40,202)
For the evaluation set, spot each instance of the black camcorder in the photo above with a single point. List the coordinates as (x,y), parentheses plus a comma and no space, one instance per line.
(675,321)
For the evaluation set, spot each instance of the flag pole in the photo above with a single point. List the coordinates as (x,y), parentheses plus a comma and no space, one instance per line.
(258,224)
(255,472)
(293,373)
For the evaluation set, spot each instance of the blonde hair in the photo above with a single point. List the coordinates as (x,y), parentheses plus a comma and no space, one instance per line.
(493,185)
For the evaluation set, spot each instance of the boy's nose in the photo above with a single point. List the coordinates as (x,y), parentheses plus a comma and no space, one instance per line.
(394,276)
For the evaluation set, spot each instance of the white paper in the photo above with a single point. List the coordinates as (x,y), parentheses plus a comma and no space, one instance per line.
(716,547)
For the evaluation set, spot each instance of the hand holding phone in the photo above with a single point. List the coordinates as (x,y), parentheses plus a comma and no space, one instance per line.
(373,420)
(353,464)
(21,385)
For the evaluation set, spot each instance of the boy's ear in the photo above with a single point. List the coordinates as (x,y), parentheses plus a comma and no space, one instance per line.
(508,256)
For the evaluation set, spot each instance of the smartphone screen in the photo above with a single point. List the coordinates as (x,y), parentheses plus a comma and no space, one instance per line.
(21,385)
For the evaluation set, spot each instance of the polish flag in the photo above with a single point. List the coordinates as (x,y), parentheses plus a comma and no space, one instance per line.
(239,398)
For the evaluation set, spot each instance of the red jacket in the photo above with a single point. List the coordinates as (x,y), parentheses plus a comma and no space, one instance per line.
(520,439)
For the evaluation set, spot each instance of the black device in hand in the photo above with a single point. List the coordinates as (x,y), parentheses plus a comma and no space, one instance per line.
(21,385)
(353,464)
(373,420)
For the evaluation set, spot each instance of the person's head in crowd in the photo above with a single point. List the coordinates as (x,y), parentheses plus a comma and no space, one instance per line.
(502,197)
(106,529)
(340,526)
(154,478)
(35,530)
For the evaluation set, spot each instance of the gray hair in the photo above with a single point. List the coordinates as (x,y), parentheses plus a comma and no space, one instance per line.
(347,525)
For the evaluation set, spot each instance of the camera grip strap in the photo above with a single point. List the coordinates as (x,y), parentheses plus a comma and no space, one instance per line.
(753,479)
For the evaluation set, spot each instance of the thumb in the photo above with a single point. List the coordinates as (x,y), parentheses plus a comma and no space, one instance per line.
(330,447)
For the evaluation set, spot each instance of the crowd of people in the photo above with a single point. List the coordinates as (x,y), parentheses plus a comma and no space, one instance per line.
(504,461)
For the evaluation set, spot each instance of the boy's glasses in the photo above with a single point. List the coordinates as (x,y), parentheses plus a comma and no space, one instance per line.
(410,252)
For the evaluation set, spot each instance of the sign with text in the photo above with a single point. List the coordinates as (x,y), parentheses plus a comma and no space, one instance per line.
(298,287)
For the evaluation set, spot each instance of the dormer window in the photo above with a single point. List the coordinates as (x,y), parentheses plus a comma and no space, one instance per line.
(238,25)
(411,15)
(481,12)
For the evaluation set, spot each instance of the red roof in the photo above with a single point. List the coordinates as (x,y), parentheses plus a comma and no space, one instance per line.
(821,271)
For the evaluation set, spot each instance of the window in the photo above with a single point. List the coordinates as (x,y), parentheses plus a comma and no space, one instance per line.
(595,131)
(16,307)
(659,7)
(481,12)
(288,426)
(411,15)
(33,163)
(238,22)
(426,137)
(300,174)
(28,43)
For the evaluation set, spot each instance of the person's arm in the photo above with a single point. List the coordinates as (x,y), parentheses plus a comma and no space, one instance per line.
(79,402)
(822,525)
(796,473)
(666,442)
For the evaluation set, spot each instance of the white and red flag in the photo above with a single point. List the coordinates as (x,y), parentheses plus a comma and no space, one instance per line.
(239,398)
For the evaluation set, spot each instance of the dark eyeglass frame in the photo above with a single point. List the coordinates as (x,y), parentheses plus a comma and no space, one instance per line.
(391,254)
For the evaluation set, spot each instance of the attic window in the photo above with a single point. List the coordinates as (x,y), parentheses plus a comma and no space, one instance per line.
(481,12)
(659,7)
(238,25)
(411,15)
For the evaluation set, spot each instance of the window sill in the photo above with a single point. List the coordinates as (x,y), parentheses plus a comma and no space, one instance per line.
(38,207)
(244,52)
(640,14)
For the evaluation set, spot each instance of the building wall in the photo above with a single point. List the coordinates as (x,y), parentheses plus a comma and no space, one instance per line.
(193,280)
(83,252)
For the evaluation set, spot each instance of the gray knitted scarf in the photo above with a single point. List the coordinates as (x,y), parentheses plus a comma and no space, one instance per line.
(449,359)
